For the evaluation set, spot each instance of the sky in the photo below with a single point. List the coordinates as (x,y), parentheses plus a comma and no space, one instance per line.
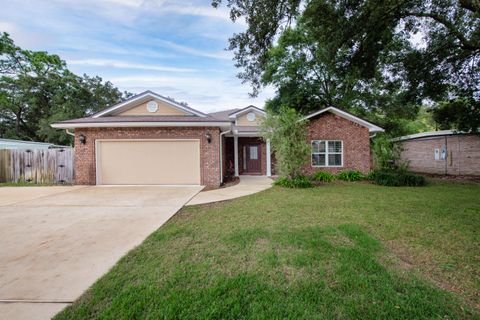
(175,48)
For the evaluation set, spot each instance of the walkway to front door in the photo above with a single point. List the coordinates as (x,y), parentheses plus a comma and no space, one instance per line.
(247,185)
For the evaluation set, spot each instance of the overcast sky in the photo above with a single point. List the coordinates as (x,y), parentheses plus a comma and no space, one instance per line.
(175,48)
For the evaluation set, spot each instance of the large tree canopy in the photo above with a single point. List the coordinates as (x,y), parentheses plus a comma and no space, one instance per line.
(380,58)
(36,89)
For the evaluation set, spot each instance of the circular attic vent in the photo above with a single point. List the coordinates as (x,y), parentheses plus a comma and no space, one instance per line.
(152,106)
(251,116)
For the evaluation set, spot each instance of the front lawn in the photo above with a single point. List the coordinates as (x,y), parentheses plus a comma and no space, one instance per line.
(343,250)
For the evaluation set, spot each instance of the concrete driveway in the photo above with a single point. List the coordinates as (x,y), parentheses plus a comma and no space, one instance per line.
(56,241)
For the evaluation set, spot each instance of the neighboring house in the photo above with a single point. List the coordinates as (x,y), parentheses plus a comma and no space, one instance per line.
(21,144)
(441,152)
(150,139)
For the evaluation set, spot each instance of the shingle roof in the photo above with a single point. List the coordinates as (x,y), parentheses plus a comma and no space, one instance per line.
(223,115)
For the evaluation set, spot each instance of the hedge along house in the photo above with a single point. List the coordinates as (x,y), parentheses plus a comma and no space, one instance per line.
(444,152)
(150,139)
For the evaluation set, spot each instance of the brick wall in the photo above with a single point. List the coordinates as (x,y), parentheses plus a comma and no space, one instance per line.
(462,151)
(209,152)
(356,142)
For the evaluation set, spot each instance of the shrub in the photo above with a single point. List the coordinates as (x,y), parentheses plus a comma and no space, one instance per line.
(351,175)
(386,154)
(297,182)
(323,176)
(287,132)
(397,178)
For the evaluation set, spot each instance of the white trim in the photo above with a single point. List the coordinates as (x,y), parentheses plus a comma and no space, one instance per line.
(235,154)
(153,96)
(326,154)
(245,110)
(247,133)
(221,154)
(428,134)
(371,127)
(137,124)
(98,173)
(269,161)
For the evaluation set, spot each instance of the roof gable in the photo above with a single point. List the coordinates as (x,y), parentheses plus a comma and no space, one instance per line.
(145,97)
(240,112)
(371,127)
(161,109)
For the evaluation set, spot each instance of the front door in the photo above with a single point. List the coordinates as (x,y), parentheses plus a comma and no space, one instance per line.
(253,159)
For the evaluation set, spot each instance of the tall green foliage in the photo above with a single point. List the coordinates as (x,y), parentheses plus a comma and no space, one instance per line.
(462,114)
(288,135)
(36,89)
(379,59)
(386,153)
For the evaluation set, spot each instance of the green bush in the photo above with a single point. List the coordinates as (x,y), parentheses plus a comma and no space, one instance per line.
(323,176)
(350,175)
(297,182)
(397,178)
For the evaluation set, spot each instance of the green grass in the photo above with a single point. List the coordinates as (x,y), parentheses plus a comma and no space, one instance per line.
(342,250)
(23,184)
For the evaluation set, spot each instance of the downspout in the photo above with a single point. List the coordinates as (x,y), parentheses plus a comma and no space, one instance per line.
(447,158)
(68,132)
(221,154)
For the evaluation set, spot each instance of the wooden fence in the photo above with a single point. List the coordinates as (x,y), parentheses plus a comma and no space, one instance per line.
(42,166)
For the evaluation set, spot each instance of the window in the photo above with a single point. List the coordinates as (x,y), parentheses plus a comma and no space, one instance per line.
(253,153)
(327,153)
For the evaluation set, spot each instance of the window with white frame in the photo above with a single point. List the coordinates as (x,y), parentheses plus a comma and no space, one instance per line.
(327,153)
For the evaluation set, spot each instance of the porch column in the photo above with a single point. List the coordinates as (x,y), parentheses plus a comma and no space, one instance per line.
(235,154)
(269,161)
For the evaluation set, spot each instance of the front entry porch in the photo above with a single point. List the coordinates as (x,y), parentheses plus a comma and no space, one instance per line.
(246,155)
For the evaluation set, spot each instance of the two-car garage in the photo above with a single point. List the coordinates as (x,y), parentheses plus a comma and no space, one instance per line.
(148,161)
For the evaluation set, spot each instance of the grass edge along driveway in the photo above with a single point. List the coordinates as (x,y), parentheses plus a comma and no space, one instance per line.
(343,250)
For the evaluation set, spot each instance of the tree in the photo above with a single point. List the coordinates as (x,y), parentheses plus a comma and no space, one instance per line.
(461,114)
(288,135)
(363,54)
(36,89)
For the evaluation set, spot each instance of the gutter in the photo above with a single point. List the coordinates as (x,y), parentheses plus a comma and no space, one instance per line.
(137,124)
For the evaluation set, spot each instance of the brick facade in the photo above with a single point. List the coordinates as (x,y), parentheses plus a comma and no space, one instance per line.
(327,126)
(356,142)
(85,172)
(462,155)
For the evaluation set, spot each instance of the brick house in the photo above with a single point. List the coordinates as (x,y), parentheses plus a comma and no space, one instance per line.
(441,152)
(150,139)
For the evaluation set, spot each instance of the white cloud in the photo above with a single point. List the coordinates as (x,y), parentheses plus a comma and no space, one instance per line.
(226,55)
(201,11)
(128,65)
(208,94)
(23,38)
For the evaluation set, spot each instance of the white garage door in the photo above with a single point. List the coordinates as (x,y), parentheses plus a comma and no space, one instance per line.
(148,162)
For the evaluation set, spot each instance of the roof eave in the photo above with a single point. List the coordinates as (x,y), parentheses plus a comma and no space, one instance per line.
(371,127)
(429,134)
(137,124)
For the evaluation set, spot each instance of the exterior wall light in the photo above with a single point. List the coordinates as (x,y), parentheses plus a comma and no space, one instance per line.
(82,138)
(209,137)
